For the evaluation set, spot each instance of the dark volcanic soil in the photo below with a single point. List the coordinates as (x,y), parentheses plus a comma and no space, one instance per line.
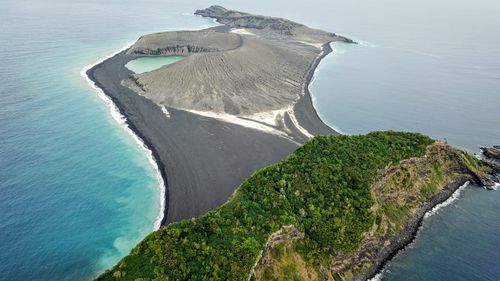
(201,159)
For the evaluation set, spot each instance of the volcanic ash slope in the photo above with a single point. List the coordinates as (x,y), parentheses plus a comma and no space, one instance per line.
(257,64)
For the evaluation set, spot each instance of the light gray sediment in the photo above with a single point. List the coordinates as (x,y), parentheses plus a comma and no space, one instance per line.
(203,160)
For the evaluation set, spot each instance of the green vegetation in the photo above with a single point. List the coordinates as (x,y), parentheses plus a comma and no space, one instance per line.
(323,189)
(473,164)
(398,191)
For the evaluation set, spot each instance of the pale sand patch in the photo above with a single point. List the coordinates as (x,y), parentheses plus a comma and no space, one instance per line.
(274,117)
(242,31)
(254,121)
(238,121)
(317,45)
(271,117)
(297,125)
(165,111)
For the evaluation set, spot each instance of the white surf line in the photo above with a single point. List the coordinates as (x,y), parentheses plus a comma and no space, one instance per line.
(377,277)
(313,78)
(122,122)
(454,197)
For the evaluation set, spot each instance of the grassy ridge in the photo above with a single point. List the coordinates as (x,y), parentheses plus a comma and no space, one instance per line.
(323,189)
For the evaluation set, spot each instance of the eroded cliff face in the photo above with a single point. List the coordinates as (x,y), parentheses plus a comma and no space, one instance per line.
(403,193)
(184,43)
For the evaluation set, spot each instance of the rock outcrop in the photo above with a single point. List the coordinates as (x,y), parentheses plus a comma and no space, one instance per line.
(267,25)
(492,152)
(491,159)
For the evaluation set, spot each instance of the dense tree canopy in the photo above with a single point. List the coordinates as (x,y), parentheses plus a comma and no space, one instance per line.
(323,188)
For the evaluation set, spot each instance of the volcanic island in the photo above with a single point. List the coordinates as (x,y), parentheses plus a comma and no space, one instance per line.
(257,186)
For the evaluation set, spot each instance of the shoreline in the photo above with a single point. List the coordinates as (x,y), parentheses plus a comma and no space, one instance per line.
(380,274)
(409,234)
(330,50)
(439,201)
(450,194)
(311,120)
(121,119)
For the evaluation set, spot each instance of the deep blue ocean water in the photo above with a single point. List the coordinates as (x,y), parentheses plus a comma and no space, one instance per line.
(77,192)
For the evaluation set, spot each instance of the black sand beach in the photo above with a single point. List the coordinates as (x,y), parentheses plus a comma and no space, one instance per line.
(202,160)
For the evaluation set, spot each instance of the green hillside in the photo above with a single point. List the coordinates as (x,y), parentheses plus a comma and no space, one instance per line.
(323,191)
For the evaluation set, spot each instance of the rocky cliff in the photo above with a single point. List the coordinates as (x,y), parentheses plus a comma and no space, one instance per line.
(184,43)
(403,193)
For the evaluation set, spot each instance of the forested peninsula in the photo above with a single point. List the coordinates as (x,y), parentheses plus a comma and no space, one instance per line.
(335,209)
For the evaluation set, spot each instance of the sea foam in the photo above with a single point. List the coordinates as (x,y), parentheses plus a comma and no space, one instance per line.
(450,200)
(122,122)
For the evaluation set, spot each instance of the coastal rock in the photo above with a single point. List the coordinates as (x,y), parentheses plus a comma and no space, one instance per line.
(492,159)
(492,152)
(239,19)
(488,181)
(268,26)
(493,164)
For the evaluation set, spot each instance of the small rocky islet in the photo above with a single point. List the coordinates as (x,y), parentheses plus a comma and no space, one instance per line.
(491,159)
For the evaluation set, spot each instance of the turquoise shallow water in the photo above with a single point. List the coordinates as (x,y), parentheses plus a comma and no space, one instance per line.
(77,191)
(145,64)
